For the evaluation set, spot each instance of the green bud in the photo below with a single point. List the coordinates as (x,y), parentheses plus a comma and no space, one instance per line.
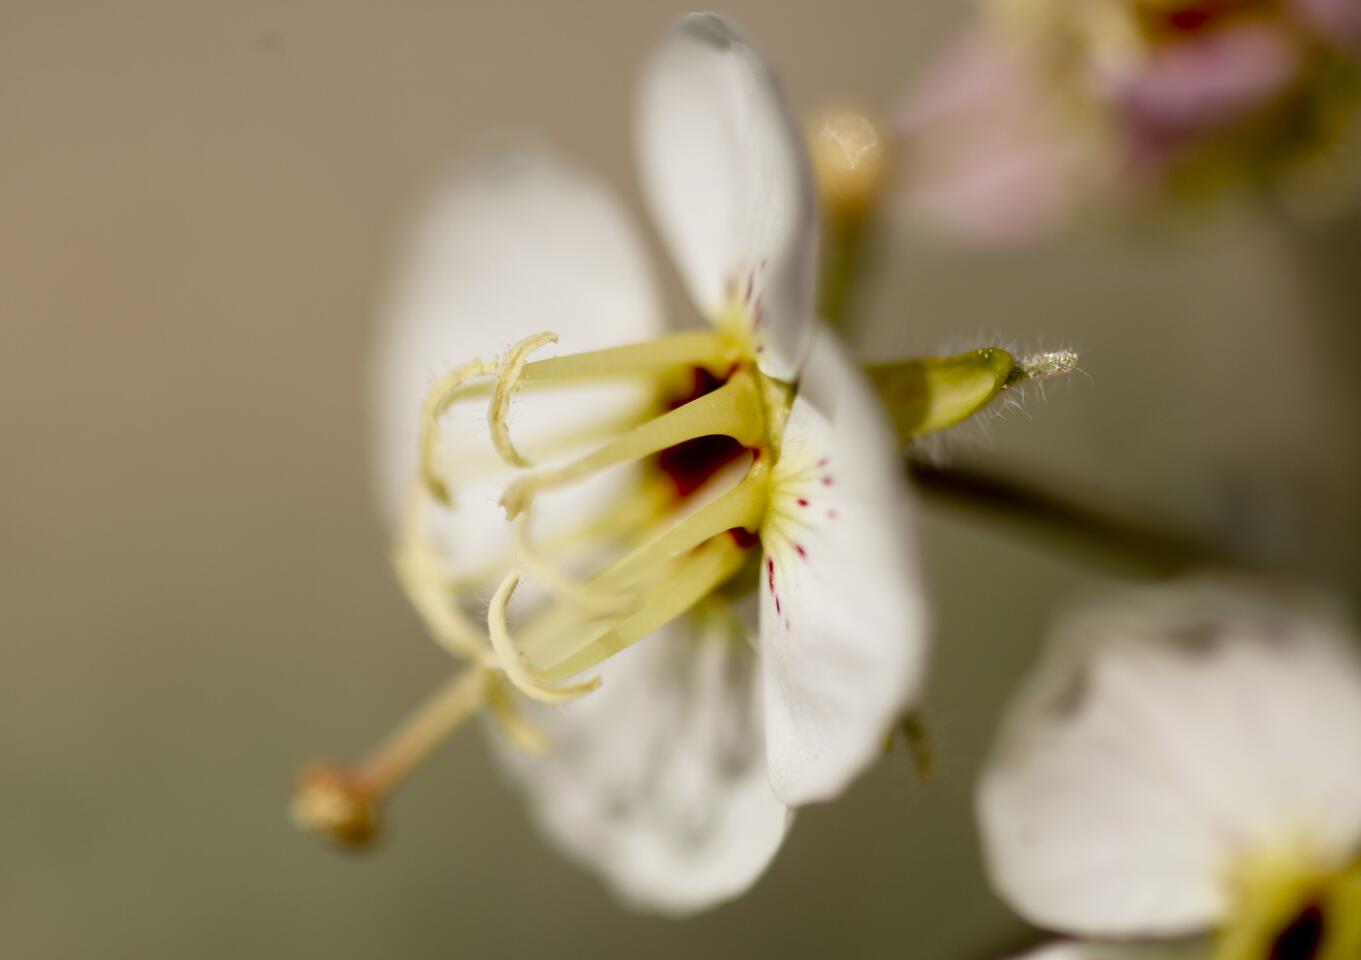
(931,393)
(926,394)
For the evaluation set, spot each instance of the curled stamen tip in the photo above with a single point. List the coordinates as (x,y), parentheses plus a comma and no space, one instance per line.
(333,803)
(1043,366)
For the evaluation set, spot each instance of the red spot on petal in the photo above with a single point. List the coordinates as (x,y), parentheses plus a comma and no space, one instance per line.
(799,548)
(751,282)
(803,501)
(832,514)
(826,481)
(824,461)
(778,610)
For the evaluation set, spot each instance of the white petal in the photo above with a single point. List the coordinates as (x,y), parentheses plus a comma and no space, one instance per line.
(517,243)
(843,633)
(1088,950)
(657,780)
(1158,742)
(726,173)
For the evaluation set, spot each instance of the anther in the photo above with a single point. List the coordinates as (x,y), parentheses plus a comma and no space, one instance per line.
(584,597)
(507,377)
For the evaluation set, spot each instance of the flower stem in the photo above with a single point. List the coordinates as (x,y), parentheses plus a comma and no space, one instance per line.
(1105,535)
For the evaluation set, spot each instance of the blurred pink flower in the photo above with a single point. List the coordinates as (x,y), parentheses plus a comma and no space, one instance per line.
(1026,120)
(1186,91)
(988,154)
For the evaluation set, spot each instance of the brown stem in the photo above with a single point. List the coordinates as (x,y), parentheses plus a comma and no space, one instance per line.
(1105,535)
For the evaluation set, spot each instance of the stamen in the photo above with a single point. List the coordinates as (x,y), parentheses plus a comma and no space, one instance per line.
(667,598)
(742,507)
(513,661)
(587,598)
(437,402)
(421,577)
(696,348)
(507,377)
(733,410)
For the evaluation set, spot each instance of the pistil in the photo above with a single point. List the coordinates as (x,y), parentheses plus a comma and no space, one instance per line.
(344,804)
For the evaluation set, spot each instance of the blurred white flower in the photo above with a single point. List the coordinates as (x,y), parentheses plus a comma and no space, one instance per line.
(1185,764)
(650,487)
(1051,106)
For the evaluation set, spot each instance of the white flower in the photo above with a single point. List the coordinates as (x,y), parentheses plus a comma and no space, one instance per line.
(650,486)
(1185,764)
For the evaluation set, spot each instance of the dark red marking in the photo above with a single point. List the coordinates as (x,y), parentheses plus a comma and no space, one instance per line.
(1190,19)
(803,501)
(826,481)
(743,537)
(1303,937)
(692,464)
(777,604)
(799,548)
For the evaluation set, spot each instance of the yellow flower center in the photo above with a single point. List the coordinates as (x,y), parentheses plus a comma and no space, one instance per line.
(1288,907)
(674,540)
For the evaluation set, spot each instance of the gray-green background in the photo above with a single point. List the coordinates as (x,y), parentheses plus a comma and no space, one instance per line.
(197,207)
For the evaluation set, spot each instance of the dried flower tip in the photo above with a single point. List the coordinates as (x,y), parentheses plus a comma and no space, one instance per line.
(334,803)
(1043,366)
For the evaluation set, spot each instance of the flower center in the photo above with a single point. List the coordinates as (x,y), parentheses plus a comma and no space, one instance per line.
(691,464)
(1287,908)
(702,453)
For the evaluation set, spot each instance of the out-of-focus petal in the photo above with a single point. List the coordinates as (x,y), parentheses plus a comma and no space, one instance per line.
(1338,21)
(657,780)
(843,634)
(727,177)
(1198,87)
(1160,741)
(517,243)
(985,154)
(1196,949)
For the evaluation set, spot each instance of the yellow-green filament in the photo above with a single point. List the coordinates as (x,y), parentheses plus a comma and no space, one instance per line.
(743,506)
(588,598)
(733,410)
(691,580)
(698,348)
